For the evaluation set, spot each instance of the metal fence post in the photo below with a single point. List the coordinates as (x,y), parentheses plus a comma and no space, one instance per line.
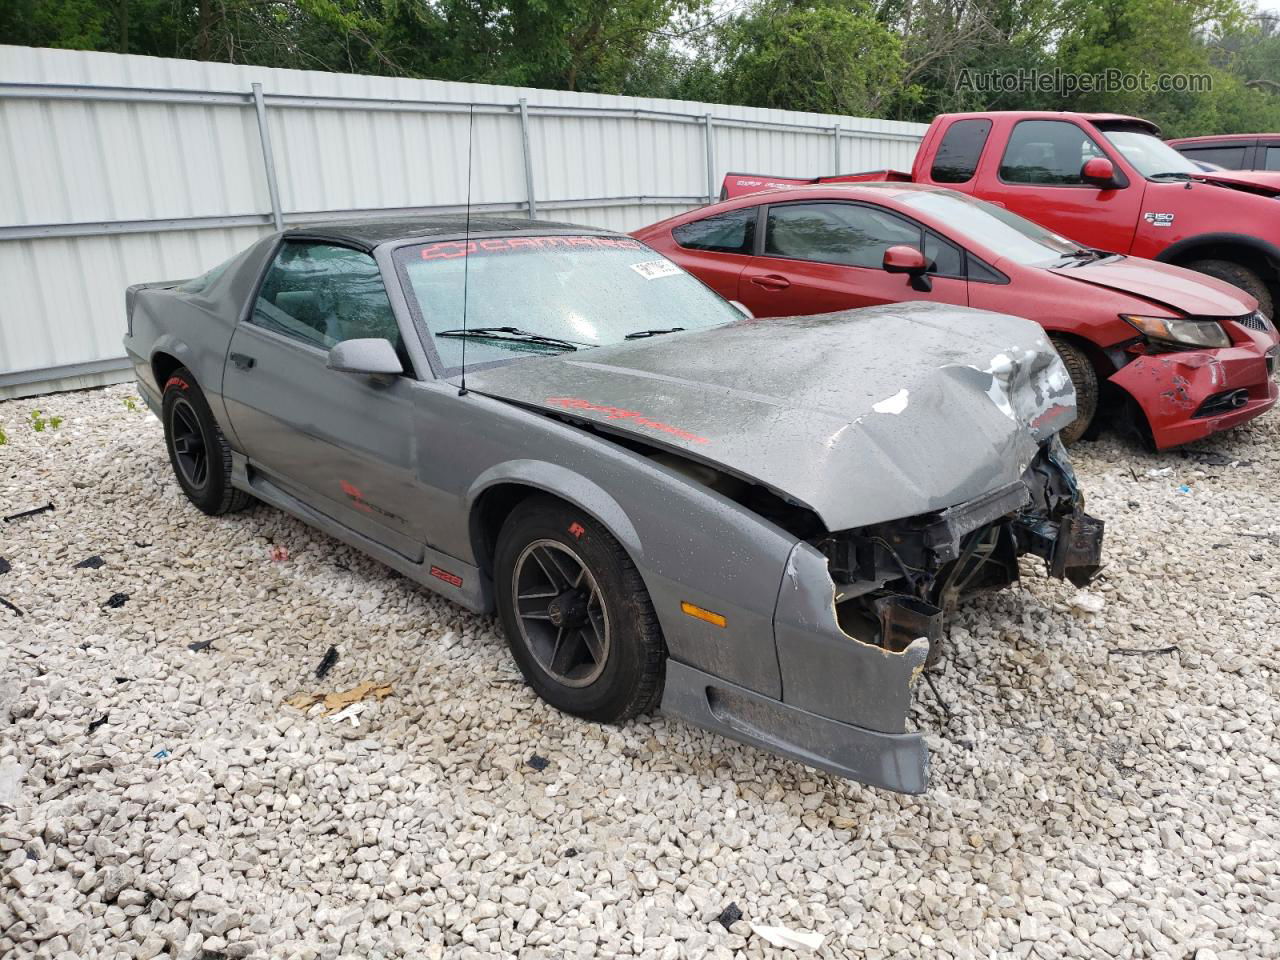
(835,147)
(710,132)
(528,159)
(268,158)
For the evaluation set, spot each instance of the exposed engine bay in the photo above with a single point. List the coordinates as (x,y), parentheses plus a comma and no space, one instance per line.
(897,581)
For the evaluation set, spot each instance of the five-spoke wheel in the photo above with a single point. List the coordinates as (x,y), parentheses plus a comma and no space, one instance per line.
(198,452)
(576,613)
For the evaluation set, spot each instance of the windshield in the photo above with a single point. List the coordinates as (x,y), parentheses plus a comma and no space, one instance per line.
(1148,154)
(1003,233)
(530,292)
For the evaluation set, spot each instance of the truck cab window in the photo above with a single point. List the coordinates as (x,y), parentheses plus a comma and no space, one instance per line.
(1047,152)
(957,156)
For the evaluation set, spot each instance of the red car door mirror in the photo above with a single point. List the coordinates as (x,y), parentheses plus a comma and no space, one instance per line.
(904,259)
(1099,171)
(909,260)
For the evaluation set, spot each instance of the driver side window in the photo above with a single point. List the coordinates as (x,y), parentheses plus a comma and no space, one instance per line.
(1048,152)
(321,294)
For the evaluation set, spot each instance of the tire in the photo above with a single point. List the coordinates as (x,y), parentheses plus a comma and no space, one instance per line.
(198,452)
(1238,276)
(1085,379)
(617,676)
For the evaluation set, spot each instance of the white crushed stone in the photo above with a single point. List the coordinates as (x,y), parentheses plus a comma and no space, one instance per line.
(1084,802)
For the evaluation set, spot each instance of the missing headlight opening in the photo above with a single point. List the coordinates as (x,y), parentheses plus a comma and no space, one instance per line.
(898,581)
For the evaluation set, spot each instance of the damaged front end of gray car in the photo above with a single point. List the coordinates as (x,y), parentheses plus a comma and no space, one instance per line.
(862,614)
(905,480)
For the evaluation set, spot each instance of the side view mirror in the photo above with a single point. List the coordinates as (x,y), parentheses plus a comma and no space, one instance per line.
(1099,171)
(743,309)
(909,260)
(371,356)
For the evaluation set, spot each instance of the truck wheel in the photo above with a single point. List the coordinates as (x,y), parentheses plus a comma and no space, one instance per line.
(1237,276)
(198,452)
(576,613)
(1085,379)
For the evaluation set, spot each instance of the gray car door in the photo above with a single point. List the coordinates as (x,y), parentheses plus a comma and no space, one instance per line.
(342,443)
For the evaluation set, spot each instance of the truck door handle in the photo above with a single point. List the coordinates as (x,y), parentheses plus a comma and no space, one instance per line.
(771,282)
(243,361)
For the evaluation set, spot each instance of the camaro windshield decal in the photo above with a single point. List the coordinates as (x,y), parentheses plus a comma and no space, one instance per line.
(617,413)
(450,249)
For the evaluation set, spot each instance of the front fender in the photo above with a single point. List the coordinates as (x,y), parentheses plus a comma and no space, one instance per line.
(568,485)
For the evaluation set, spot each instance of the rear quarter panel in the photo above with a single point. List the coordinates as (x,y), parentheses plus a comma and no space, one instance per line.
(194,328)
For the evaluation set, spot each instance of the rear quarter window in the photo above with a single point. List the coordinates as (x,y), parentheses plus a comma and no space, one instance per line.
(730,232)
(957,158)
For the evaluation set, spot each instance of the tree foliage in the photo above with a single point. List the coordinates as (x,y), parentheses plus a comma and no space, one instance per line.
(899,58)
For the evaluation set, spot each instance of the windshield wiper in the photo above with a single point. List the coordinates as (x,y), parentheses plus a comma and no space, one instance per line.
(1170,175)
(509,333)
(641,334)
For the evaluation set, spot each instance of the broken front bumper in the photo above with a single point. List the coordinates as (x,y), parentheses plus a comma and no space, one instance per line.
(848,675)
(1189,394)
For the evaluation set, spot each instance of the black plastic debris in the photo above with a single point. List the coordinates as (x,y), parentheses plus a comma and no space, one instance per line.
(571,853)
(28,513)
(1135,652)
(4,565)
(200,646)
(729,916)
(95,724)
(116,600)
(11,606)
(91,563)
(327,663)
(538,763)
(140,545)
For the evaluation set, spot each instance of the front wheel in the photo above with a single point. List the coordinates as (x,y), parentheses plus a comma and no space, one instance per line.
(1085,379)
(576,614)
(198,451)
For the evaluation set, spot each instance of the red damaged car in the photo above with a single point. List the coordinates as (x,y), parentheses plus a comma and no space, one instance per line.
(1180,354)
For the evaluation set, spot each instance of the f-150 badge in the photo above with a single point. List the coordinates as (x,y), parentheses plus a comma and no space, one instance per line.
(1159,219)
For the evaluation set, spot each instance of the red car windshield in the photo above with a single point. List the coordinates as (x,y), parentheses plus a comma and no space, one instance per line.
(1003,233)
(545,294)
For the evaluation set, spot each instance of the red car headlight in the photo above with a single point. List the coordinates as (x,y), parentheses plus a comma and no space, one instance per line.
(1187,333)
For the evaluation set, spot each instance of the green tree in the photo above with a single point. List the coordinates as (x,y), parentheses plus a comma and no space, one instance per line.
(822,56)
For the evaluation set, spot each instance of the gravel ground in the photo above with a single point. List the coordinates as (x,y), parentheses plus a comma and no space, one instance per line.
(1105,785)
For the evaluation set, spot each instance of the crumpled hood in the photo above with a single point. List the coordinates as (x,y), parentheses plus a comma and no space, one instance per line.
(1175,288)
(863,416)
(1257,181)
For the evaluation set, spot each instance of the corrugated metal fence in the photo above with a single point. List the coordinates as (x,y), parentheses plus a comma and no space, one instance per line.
(119,169)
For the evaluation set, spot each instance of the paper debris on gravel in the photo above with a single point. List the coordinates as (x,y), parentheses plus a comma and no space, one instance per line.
(788,939)
(1088,602)
(333,702)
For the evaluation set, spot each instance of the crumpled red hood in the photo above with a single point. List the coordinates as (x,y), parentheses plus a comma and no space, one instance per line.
(1173,287)
(1257,181)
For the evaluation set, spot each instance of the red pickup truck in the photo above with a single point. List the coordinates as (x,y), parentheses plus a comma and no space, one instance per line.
(1104,180)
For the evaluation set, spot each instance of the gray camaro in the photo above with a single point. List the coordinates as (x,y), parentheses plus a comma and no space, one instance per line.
(757,525)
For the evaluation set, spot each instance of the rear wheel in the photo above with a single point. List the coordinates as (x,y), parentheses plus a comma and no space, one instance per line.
(1238,276)
(576,614)
(198,452)
(1085,379)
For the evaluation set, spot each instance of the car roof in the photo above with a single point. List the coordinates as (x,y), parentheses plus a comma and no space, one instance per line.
(1223,138)
(374,231)
(868,189)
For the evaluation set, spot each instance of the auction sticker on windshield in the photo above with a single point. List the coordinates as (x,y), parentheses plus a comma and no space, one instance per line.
(653,269)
